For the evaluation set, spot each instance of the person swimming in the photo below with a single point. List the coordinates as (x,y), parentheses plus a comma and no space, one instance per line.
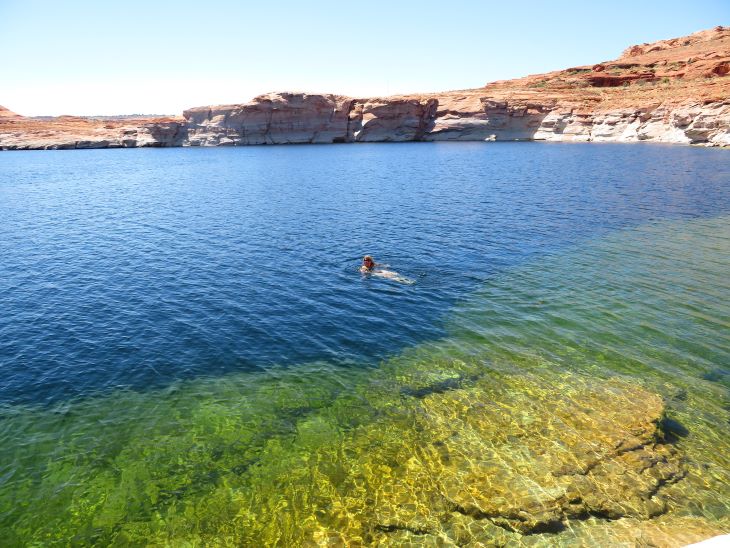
(368,264)
(368,267)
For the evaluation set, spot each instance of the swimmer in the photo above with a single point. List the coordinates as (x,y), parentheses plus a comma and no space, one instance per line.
(368,264)
(368,267)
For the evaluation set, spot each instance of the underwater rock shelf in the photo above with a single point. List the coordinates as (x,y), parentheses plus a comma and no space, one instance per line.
(518,458)
(433,453)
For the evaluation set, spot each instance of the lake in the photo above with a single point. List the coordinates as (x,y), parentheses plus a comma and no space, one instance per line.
(190,354)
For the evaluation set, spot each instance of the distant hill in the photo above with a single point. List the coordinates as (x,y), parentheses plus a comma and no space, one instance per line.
(5,113)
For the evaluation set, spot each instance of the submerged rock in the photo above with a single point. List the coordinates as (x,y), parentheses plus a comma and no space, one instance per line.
(429,455)
(527,459)
(501,460)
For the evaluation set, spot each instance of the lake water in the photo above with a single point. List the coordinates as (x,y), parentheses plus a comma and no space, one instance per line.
(189,353)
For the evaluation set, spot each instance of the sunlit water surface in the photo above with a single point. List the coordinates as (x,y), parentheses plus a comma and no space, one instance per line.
(189,353)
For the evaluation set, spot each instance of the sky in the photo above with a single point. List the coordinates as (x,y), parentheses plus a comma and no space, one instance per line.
(160,57)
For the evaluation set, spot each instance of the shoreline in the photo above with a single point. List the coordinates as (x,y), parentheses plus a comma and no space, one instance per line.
(523,141)
(486,141)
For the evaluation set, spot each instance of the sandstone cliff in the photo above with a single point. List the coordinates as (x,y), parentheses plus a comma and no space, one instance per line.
(673,91)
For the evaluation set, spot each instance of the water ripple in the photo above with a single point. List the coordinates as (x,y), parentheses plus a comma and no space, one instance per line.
(135,268)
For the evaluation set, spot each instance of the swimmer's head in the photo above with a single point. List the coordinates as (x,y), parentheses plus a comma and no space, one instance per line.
(367,261)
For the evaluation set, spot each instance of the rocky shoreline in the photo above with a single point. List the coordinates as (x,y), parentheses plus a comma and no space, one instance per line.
(287,118)
(671,91)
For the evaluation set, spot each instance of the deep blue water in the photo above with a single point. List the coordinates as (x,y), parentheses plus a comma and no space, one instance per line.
(133,268)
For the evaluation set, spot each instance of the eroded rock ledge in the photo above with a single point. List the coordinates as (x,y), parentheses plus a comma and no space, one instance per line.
(671,91)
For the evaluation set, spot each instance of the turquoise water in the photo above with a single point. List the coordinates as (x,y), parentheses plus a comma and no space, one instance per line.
(190,355)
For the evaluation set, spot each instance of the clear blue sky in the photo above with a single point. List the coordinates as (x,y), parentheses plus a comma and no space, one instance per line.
(99,57)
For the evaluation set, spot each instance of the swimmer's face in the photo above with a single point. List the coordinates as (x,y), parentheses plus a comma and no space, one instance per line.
(368,262)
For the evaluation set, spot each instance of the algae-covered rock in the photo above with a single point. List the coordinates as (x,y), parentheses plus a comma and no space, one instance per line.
(412,460)
(524,457)
(426,454)
(662,532)
(482,464)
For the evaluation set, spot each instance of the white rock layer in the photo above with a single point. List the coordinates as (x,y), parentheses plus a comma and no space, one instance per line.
(301,118)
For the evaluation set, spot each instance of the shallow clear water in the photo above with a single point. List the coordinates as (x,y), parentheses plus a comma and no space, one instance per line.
(188,349)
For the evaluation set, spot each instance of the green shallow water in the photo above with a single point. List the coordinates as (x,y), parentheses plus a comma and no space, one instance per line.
(582,399)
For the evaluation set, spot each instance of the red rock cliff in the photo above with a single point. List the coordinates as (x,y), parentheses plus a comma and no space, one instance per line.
(675,90)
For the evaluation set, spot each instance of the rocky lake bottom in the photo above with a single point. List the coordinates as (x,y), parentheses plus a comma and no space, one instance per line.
(577,395)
